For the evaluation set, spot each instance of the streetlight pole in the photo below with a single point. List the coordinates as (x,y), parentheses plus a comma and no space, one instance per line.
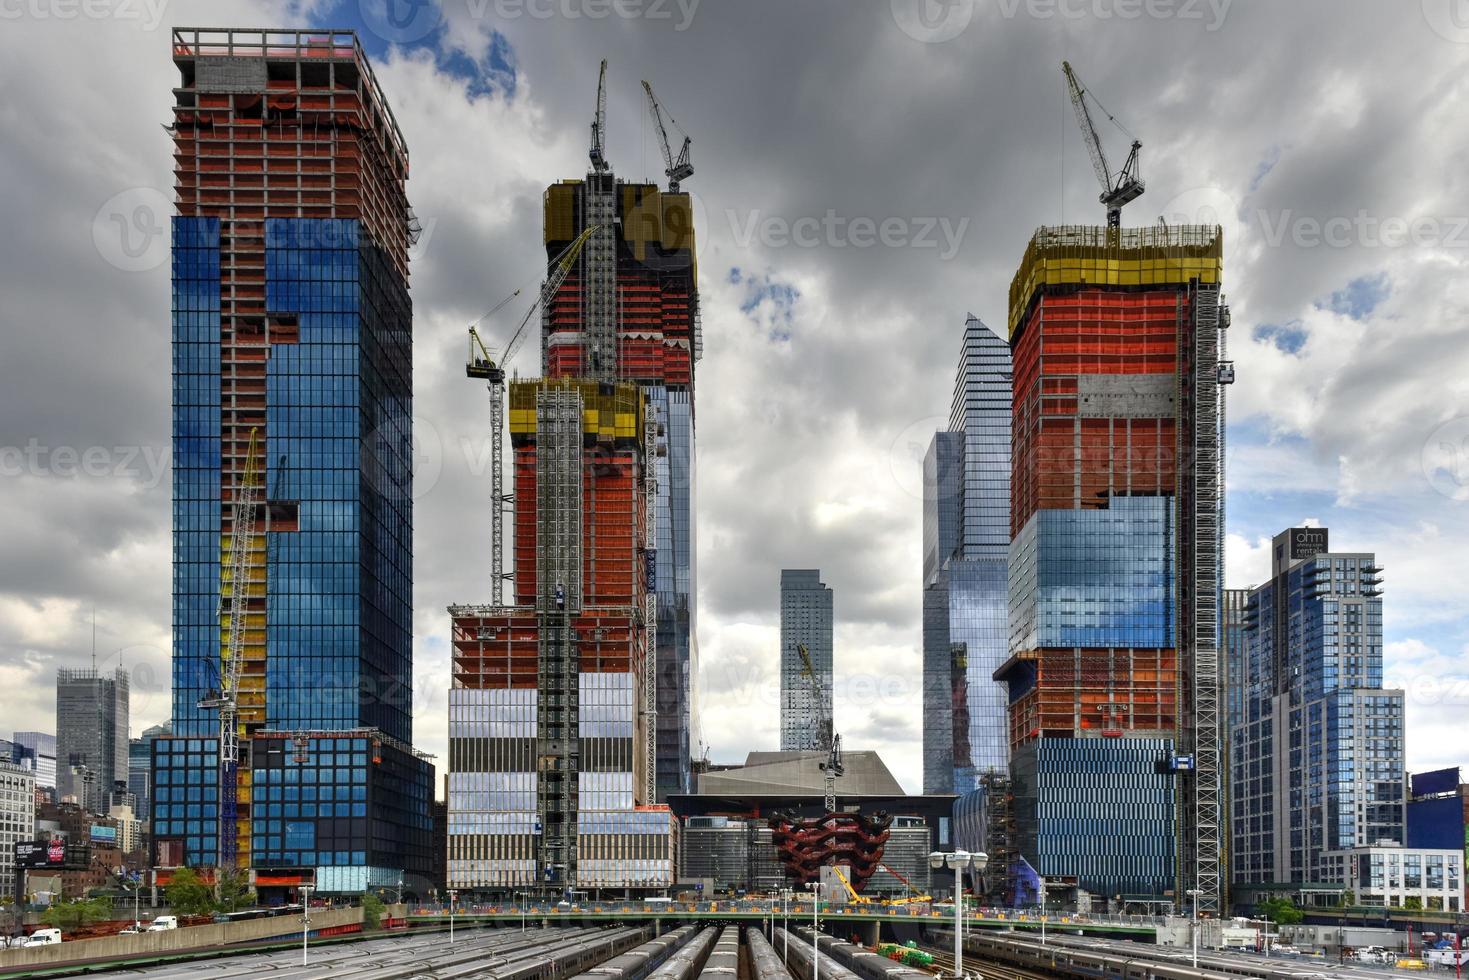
(957,861)
(305,891)
(453,901)
(1043,911)
(785,903)
(815,887)
(1193,928)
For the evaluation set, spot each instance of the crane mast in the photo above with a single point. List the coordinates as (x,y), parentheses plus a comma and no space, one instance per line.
(481,364)
(1117,189)
(826,738)
(233,614)
(679,169)
(598,152)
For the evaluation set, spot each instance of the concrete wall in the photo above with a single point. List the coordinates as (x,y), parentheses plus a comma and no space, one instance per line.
(174,940)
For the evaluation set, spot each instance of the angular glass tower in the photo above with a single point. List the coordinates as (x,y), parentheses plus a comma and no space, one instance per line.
(91,735)
(1316,748)
(805,620)
(292,342)
(966,529)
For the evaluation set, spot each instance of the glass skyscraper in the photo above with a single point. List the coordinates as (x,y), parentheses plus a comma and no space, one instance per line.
(91,735)
(1316,750)
(292,344)
(966,528)
(805,620)
(1114,562)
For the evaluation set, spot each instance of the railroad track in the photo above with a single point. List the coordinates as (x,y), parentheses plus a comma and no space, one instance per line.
(943,964)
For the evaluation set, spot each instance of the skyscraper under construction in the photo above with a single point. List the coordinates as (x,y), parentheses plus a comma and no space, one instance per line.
(291,751)
(571,708)
(1116,519)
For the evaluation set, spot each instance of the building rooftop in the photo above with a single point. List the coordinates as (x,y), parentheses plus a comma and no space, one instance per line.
(799,774)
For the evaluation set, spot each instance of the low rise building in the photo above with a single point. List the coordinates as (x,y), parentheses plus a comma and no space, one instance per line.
(1388,874)
(17,819)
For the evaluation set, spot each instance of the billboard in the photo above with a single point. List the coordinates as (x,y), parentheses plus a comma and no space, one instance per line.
(1435,782)
(54,853)
(1307,542)
(104,835)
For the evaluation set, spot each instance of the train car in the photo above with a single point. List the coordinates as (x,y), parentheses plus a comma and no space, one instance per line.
(571,958)
(724,961)
(686,960)
(765,962)
(865,963)
(801,960)
(637,963)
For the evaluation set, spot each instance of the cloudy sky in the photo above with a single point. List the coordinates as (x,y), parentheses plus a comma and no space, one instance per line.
(922,141)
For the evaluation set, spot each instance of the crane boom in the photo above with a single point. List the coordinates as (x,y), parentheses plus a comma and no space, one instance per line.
(1118,189)
(233,614)
(598,152)
(482,364)
(678,169)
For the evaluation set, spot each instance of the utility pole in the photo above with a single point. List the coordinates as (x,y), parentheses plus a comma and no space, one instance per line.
(305,891)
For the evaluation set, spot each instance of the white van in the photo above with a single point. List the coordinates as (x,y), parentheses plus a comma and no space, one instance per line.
(164,923)
(44,937)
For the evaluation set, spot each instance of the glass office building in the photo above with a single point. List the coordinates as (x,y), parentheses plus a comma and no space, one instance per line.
(292,363)
(966,538)
(805,621)
(1317,745)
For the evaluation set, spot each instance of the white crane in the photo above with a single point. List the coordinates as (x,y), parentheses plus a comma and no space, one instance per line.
(598,152)
(677,169)
(826,738)
(1119,188)
(483,365)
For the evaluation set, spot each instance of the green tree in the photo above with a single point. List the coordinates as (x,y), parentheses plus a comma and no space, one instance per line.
(1413,903)
(187,895)
(76,913)
(1348,899)
(233,892)
(372,912)
(1281,911)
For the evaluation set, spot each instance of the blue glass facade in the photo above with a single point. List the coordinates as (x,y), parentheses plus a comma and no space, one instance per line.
(1316,745)
(1097,812)
(338,559)
(677,633)
(1095,578)
(966,539)
(197,513)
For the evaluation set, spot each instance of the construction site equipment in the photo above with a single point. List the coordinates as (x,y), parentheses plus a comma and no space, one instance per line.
(1119,188)
(913,898)
(826,737)
(482,365)
(234,592)
(852,895)
(598,152)
(677,169)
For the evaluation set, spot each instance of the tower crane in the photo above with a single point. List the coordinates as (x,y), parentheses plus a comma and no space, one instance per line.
(232,619)
(598,152)
(677,169)
(482,364)
(826,738)
(1119,188)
